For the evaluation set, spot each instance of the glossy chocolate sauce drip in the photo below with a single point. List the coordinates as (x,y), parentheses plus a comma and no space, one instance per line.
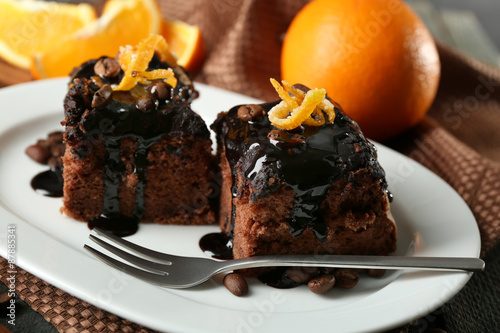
(113,169)
(390,196)
(111,218)
(139,114)
(308,166)
(49,183)
(277,278)
(117,224)
(218,245)
(141,164)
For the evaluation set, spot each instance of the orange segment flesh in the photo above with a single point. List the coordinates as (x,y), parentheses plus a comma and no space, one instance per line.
(28,27)
(186,42)
(123,22)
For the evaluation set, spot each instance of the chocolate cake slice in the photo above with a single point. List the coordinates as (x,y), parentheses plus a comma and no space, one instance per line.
(135,150)
(306,190)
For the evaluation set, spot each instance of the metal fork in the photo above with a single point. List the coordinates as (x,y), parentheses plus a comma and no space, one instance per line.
(173,271)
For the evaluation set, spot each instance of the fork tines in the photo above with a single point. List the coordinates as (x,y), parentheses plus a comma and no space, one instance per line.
(151,271)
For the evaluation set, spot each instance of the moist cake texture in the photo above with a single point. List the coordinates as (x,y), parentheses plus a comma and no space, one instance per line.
(141,153)
(312,189)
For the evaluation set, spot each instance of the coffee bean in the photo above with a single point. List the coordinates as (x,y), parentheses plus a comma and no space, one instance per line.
(250,112)
(55,162)
(321,284)
(297,138)
(375,272)
(244,113)
(38,153)
(102,97)
(273,134)
(301,274)
(145,104)
(346,278)
(236,284)
(57,150)
(56,137)
(44,143)
(255,110)
(107,67)
(160,90)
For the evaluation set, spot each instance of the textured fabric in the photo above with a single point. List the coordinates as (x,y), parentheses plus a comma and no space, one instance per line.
(476,308)
(242,39)
(459,141)
(466,107)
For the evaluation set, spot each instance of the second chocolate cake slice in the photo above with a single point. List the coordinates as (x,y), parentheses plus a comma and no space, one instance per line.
(309,183)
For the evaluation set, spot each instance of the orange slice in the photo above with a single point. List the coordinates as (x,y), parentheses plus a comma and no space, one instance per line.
(123,22)
(186,42)
(28,27)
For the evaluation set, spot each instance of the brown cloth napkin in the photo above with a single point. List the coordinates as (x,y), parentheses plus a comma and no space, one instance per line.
(459,141)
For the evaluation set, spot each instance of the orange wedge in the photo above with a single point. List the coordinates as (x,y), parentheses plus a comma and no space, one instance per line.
(186,43)
(123,22)
(28,27)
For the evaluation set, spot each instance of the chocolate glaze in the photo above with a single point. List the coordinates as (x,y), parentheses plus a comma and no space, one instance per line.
(49,183)
(116,224)
(277,278)
(123,118)
(389,195)
(217,245)
(308,167)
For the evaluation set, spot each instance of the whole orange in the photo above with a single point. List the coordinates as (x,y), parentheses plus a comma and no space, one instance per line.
(374,57)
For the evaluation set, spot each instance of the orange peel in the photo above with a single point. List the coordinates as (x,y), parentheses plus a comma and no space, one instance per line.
(135,60)
(300,108)
(292,103)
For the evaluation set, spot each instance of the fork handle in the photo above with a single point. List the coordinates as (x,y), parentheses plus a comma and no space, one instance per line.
(354,261)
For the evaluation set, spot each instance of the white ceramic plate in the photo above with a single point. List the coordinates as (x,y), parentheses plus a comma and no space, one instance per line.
(432,221)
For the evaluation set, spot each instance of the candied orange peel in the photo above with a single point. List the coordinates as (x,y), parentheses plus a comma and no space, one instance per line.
(135,61)
(298,107)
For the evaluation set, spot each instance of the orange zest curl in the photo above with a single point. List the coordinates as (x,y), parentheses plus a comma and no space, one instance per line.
(135,61)
(299,108)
